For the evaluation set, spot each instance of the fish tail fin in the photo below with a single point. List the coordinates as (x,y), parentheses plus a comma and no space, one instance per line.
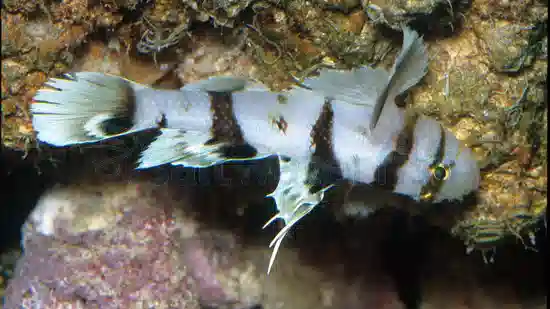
(84,107)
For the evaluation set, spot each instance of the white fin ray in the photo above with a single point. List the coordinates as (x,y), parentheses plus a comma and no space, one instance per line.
(68,111)
(357,86)
(293,201)
(181,148)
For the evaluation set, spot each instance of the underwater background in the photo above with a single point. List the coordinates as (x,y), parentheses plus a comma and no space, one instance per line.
(486,82)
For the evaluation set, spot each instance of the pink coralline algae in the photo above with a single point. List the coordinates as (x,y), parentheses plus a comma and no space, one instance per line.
(142,245)
(113,247)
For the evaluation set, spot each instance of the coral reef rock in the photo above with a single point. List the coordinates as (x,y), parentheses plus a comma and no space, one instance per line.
(135,245)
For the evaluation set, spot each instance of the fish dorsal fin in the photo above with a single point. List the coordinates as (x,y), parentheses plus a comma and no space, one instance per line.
(411,64)
(357,86)
(224,84)
(409,68)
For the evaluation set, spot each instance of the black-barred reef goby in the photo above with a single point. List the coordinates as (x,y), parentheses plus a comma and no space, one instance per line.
(354,120)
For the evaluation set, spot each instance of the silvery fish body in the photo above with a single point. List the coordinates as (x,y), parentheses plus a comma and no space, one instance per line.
(349,119)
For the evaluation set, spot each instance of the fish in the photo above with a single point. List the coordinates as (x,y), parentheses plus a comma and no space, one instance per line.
(352,121)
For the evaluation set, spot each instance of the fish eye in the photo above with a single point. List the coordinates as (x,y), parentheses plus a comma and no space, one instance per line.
(440,172)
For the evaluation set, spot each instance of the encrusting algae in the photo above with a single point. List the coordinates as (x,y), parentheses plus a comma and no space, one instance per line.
(486,80)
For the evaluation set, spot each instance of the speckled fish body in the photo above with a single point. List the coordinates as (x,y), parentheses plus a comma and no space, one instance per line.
(348,119)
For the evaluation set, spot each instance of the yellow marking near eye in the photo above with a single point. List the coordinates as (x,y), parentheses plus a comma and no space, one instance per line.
(426,196)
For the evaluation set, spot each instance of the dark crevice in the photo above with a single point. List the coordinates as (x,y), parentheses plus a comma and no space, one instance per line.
(21,187)
(404,251)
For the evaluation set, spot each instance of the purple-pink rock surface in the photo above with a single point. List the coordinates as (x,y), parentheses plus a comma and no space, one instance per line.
(139,245)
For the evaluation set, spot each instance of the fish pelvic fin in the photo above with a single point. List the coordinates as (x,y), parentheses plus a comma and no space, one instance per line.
(185,148)
(84,107)
(293,200)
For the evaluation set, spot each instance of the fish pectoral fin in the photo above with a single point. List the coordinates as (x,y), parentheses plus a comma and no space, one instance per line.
(186,148)
(293,200)
(357,86)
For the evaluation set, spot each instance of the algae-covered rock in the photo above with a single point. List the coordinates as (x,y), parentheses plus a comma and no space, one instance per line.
(340,5)
(299,37)
(427,14)
(512,47)
(222,12)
